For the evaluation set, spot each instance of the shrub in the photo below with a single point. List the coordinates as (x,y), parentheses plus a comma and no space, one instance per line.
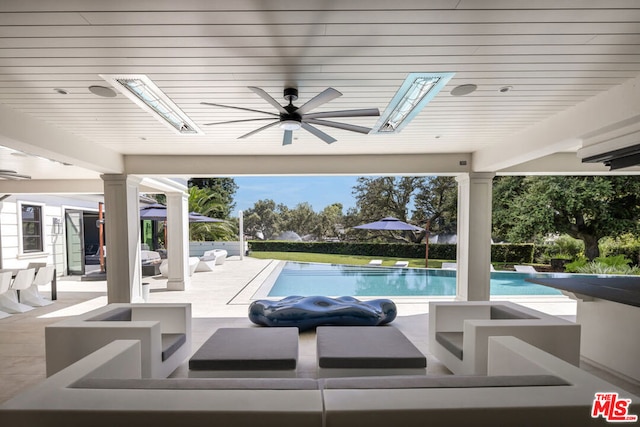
(499,253)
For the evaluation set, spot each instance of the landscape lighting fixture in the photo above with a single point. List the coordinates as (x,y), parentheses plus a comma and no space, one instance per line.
(416,91)
(141,90)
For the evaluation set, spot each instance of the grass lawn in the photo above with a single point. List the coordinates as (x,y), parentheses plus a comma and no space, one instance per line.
(343,259)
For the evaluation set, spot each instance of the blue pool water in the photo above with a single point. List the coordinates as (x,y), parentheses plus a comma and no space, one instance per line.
(306,279)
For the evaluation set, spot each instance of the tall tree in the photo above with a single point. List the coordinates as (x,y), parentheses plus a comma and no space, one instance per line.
(225,188)
(263,219)
(301,219)
(436,202)
(330,221)
(387,196)
(584,207)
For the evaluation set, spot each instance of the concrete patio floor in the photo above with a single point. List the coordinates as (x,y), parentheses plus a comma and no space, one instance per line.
(219,298)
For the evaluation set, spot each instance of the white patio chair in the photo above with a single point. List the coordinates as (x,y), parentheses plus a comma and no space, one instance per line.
(449,266)
(376,262)
(5,283)
(401,264)
(31,296)
(9,301)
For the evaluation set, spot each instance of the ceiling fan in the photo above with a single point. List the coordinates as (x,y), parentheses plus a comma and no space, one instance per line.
(292,118)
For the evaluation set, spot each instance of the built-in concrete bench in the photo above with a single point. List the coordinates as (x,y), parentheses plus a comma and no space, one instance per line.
(459,332)
(525,387)
(163,329)
(366,350)
(247,352)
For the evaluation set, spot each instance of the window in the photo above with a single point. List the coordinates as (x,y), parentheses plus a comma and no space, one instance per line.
(31,228)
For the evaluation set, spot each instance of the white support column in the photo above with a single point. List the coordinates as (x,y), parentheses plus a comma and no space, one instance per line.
(178,241)
(122,227)
(474,236)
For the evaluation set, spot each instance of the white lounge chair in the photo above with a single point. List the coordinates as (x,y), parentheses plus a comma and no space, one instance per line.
(376,262)
(449,266)
(210,259)
(193,264)
(401,264)
(525,269)
(9,301)
(31,296)
(5,283)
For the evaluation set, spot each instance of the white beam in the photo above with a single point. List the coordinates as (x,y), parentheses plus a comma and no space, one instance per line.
(564,164)
(390,164)
(24,133)
(52,186)
(565,131)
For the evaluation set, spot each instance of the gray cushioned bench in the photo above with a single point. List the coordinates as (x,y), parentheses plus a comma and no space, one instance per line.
(366,350)
(247,352)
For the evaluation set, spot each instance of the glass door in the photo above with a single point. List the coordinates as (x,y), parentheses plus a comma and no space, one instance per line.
(75,242)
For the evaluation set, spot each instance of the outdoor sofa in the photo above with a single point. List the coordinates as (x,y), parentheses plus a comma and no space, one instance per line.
(525,386)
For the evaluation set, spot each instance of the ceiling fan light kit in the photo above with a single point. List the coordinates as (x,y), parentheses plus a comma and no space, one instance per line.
(291,118)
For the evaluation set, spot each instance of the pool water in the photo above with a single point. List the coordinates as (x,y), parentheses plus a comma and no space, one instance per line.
(306,279)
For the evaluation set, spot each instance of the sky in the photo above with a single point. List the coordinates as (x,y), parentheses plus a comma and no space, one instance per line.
(318,191)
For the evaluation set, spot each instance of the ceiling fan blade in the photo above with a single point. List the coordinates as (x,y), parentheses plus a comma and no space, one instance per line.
(317,132)
(239,108)
(321,98)
(287,139)
(237,121)
(264,95)
(259,130)
(12,175)
(345,126)
(365,112)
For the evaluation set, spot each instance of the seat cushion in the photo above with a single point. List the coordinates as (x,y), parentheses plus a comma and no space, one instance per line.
(171,343)
(199,383)
(122,314)
(452,341)
(248,349)
(501,312)
(367,347)
(444,381)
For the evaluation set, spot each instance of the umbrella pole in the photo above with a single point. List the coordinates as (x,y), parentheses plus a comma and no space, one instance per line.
(426,244)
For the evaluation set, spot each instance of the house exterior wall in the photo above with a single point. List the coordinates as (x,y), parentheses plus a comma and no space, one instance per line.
(54,244)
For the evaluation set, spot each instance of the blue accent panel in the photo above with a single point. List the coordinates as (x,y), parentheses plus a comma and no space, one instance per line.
(309,312)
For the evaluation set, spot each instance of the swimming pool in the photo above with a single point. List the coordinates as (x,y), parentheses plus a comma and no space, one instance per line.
(306,279)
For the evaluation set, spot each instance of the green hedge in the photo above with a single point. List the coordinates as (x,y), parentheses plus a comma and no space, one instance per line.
(499,253)
(509,253)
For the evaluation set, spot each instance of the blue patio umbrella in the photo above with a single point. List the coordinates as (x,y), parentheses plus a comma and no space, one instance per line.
(389,223)
(158,212)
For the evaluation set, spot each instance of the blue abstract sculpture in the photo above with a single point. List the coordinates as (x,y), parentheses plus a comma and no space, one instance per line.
(309,312)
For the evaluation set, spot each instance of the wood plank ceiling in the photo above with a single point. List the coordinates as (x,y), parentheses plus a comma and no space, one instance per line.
(551,54)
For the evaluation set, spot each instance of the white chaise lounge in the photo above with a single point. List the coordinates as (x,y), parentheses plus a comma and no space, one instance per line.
(210,259)
(163,329)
